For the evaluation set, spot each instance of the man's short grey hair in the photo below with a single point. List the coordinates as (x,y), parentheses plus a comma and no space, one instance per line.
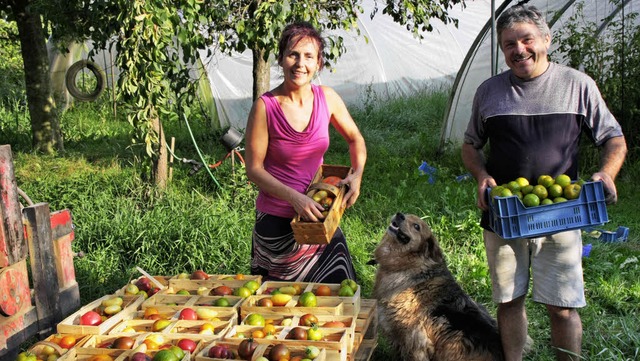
(521,14)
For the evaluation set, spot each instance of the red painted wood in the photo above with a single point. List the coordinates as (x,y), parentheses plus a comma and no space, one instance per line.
(64,260)
(14,289)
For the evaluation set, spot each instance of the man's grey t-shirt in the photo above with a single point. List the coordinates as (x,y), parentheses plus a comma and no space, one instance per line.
(533,127)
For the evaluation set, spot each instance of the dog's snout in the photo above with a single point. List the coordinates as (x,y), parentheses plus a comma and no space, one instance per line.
(398,219)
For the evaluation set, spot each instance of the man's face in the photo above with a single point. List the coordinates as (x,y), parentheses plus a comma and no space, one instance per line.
(525,50)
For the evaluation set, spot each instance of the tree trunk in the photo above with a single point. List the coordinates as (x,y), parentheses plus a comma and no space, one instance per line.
(161,160)
(261,73)
(45,128)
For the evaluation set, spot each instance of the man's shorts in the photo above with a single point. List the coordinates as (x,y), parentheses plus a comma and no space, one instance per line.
(555,263)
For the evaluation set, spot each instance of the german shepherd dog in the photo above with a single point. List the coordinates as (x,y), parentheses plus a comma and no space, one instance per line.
(422,310)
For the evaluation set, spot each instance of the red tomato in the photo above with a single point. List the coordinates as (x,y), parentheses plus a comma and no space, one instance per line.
(67,342)
(332,179)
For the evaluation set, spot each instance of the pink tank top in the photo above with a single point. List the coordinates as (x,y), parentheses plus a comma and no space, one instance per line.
(293,157)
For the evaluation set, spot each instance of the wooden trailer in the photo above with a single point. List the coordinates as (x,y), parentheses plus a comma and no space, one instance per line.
(32,238)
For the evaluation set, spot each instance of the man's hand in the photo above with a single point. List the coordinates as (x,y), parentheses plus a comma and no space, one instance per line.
(610,191)
(483,184)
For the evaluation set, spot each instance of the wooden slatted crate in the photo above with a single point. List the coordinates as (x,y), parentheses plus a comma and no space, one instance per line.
(321,232)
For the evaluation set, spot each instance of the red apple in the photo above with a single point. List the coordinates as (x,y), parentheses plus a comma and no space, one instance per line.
(187,345)
(199,275)
(91,318)
(140,356)
(222,291)
(144,284)
(152,291)
(188,314)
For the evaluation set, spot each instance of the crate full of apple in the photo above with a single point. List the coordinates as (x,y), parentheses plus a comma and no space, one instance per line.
(99,316)
(323,189)
(520,209)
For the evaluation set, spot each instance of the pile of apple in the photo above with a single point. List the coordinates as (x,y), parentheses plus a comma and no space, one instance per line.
(141,287)
(324,197)
(277,352)
(108,307)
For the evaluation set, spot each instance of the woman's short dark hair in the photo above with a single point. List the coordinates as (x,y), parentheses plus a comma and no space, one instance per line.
(295,32)
(521,14)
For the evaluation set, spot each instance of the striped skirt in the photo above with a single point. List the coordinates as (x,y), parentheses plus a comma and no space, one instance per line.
(276,256)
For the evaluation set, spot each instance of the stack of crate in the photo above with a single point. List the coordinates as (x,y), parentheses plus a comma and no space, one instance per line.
(137,319)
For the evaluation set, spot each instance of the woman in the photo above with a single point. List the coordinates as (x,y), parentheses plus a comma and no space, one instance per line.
(286,138)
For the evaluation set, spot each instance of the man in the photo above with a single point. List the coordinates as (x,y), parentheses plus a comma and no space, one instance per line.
(532,116)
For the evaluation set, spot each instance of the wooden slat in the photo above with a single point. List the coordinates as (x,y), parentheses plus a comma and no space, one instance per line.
(43,267)
(61,224)
(12,246)
(15,330)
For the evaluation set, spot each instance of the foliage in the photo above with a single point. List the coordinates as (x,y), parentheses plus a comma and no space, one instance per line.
(203,226)
(158,42)
(611,56)
(11,74)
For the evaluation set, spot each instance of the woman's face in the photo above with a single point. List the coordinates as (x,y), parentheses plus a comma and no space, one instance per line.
(300,61)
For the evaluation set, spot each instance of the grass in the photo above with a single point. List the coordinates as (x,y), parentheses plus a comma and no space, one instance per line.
(121,223)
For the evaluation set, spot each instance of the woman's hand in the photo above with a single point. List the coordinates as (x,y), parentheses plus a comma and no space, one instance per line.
(352,181)
(307,208)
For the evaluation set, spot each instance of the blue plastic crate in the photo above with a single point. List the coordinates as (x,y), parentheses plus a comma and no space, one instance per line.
(510,219)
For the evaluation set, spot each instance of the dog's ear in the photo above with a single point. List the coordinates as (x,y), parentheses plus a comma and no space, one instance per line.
(433,249)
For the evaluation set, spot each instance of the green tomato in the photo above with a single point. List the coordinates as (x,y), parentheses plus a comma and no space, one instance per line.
(314,334)
(312,352)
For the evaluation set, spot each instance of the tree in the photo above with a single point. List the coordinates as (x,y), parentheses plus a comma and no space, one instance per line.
(45,127)
(158,43)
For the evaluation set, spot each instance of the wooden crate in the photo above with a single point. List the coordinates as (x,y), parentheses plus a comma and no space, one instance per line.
(321,232)
(263,350)
(191,329)
(72,325)
(349,321)
(275,319)
(244,331)
(210,301)
(139,327)
(367,324)
(80,354)
(335,339)
(232,281)
(169,302)
(326,306)
(268,286)
(351,304)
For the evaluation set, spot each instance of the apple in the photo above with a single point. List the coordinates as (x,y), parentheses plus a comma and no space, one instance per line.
(131,289)
(123,343)
(91,318)
(265,302)
(188,314)
(187,345)
(140,356)
(152,291)
(184,276)
(144,284)
(199,275)
(280,299)
(350,283)
(220,351)
(206,313)
(222,291)
(159,325)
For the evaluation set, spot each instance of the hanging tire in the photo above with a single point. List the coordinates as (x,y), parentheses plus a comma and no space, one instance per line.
(70,80)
